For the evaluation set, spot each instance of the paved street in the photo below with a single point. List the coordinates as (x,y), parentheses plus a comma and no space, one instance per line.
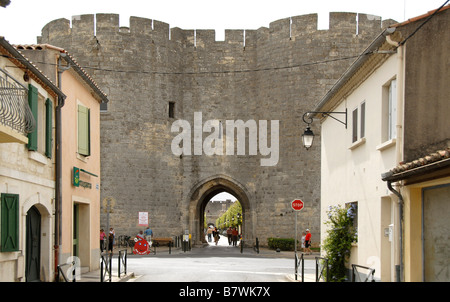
(221,263)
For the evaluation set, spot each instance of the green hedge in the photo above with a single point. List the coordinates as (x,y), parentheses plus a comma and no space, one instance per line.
(284,244)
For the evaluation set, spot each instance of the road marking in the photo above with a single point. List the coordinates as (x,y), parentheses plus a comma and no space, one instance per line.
(247,272)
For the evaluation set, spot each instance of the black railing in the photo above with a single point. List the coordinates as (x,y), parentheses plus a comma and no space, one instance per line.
(300,262)
(322,269)
(14,109)
(358,276)
(256,246)
(105,267)
(62,274)
(122,262)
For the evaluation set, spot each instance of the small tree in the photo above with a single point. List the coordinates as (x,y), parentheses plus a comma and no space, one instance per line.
(337,244)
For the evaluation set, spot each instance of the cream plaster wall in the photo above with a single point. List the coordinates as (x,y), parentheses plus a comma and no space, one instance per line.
(352,172)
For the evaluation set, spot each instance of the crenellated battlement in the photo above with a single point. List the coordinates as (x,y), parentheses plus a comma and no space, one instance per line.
(105,26)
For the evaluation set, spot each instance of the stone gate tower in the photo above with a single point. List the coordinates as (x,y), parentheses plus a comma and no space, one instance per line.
(155,76)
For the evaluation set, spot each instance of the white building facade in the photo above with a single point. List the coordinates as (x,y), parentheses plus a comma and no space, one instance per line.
(354,156)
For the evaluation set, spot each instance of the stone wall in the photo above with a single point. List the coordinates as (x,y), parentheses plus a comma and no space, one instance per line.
(274,73)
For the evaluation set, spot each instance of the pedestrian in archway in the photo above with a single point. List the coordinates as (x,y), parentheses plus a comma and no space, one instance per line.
(234,235)
(209,232)
(216,235)
(229,235)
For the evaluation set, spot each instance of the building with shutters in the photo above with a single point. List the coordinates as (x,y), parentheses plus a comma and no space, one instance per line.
(29,102)
(78,222)
(391,161)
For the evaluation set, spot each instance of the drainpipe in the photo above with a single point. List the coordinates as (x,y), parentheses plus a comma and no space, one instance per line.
(399,138)
(400,206)
(58,156)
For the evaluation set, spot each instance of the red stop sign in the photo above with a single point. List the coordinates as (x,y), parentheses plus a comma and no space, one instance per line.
(297,204)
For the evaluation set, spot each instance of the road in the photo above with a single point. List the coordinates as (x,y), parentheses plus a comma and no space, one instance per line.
(221,263)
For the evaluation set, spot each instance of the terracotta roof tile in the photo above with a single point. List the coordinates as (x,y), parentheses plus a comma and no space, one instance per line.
(423,161)
(87,76)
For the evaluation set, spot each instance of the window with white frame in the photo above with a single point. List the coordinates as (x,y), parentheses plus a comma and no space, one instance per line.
(358,122)
(389,111)
(392,110)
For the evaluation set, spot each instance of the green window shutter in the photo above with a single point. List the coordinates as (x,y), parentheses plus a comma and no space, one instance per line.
(33,103)
(48,128)
(83,131)
(10,222)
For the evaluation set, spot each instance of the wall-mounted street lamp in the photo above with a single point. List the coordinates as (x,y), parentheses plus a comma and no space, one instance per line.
(308,135)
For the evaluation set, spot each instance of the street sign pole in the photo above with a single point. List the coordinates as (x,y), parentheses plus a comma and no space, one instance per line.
(108,204)
(297,205)
(295,240)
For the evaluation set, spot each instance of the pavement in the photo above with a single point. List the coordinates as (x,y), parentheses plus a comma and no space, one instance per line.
(223,248)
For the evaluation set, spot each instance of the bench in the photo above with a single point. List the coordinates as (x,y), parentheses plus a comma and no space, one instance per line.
(162,241)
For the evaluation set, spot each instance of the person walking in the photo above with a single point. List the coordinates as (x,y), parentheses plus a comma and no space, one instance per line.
(229,235)
(308,242)
(111,240)
(102,240)
(216,235)
(303,241)
(209,232)
(234,235)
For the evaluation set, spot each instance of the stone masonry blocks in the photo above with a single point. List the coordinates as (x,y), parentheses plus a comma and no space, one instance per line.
(279,73)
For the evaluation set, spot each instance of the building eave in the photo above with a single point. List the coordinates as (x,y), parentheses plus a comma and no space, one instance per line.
(23,63)
(67,57)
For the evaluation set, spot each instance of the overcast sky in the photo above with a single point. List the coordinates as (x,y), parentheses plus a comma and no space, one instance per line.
(21,22)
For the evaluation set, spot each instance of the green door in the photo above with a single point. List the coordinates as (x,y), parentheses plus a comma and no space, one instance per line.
(76,232)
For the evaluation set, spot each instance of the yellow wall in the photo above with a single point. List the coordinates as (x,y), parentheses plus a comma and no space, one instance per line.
(413,266)
(88,198)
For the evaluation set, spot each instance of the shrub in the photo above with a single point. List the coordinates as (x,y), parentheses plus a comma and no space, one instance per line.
(284,244)
(340,236)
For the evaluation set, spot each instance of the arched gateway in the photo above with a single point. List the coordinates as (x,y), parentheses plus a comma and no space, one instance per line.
(202,193)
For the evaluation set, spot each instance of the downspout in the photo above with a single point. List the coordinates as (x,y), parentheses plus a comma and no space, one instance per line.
(399,140)
(58,184)
(400,206)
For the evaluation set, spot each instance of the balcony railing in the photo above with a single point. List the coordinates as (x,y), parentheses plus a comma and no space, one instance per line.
(14,109)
